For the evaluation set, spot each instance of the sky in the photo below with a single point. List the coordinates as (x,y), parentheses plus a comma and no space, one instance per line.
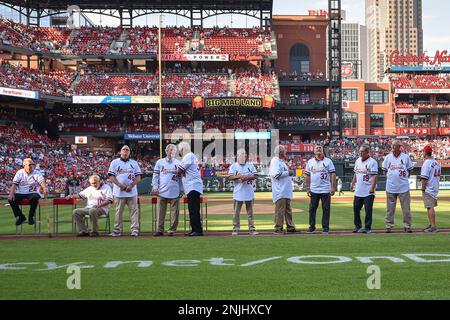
(436,22)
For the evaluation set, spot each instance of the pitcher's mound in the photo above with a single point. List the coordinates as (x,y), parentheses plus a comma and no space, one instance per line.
(257,209)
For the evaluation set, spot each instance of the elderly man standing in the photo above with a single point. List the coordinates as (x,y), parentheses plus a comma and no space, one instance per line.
(397,166)
(320,186)
(243,174)
(99,197)
(192,185)
(430,175)
(26,184)
(167,185)
(281,191)
(125,174)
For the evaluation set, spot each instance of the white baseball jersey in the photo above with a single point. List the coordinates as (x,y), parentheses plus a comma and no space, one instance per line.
(28,183)
(431,171)
(125,172)
(365,172)
(397,172)
(166,179)
(243,191)
(281,181)
(95,197)
(192,180)
(320,172)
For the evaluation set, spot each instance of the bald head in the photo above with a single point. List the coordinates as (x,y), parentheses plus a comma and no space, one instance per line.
(95,181)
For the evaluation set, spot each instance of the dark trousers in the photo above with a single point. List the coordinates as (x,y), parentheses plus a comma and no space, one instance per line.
(314,204)
(358,203)
(194,211)
(34,201)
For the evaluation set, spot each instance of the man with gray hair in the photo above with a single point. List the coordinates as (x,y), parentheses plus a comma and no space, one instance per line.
(364,185)
(243,174)
(397,166)
(125,174)
(167,185)
(192,185)
(25,185)
(282,192)
(99,197)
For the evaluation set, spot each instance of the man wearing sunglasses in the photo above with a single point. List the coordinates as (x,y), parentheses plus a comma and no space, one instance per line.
(28,183)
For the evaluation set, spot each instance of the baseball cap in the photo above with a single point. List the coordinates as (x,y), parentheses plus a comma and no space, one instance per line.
(428,149)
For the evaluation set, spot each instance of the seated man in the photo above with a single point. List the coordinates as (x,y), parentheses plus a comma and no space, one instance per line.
(99,196)
(26,184)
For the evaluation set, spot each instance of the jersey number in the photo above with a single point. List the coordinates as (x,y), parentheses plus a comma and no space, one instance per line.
(32,189)
(366,178)
(131,177)
(402,173)
(324,176)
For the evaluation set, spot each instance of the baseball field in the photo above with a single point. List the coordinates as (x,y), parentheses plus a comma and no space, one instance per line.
(218,266)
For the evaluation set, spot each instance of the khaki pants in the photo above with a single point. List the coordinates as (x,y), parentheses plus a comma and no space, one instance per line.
(283,210)
(94,214)
(391,203)
(161,213)
(132,204)
(237,215)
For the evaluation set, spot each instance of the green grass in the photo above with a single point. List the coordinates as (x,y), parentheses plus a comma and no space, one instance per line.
(278,279)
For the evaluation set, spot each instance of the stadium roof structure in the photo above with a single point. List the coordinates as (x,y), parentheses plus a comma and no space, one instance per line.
(127,10)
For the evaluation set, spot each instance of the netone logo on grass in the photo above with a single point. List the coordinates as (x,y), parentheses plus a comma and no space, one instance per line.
(229,262)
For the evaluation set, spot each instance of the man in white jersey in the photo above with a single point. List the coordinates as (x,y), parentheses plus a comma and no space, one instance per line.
(320,186)
(99,196)
(193,187)
(397,166)
(167,185)
(364,184)
(125,174)
(26,184)
(430,175)
(282,193)
(243,174)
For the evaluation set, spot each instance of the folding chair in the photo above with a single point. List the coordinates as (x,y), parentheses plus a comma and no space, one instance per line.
(63,202)
(26,202)
(203,216)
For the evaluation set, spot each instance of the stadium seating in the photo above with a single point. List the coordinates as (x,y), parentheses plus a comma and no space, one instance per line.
(55,83)
(431,82)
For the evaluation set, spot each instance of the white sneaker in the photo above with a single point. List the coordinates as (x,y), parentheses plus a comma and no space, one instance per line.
(115,234)
(235,233)
(253,232)
(135,233)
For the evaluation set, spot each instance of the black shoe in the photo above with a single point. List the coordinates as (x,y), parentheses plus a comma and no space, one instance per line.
(325,231)
(310,230)
(195,234)
(408,230)
(20,219)
(31,220)
(94,234)
(388,230)
(356,230)
(293,231)
(83,234)
(158,234)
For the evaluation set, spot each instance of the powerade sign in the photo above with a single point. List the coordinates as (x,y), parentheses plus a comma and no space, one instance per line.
(141,136)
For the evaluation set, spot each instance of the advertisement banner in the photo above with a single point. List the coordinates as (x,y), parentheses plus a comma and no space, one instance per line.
(267,102)
(443,131)
(413,131)
(407,110)
(349,132)
(141,136)
(115,99)
(422,91)
(195,57)
(81,140)
(300,147)
(145,99)
(19,93)
(377,132)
